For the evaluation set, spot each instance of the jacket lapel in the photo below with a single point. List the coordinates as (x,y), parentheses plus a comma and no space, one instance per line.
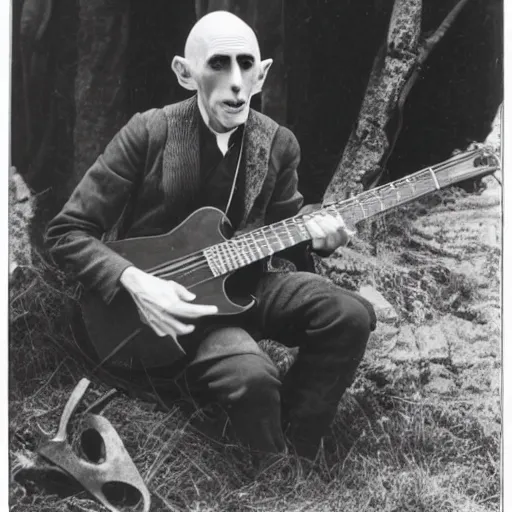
(181,165)
(258,136)
(181,171)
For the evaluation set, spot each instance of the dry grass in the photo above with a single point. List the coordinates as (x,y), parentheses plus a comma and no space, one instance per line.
(395,447)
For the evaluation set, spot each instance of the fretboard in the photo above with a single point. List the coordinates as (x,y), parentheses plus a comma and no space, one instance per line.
(258,244)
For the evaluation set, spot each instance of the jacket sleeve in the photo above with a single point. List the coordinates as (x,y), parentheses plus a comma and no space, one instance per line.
(74,235)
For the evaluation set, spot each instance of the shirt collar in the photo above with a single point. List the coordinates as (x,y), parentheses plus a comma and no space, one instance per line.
(221,138)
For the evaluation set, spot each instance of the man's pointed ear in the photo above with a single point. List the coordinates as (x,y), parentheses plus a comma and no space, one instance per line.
(181,68)
(262,75)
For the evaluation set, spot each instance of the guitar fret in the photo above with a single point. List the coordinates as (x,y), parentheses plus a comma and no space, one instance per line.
(224,255)
(212,260)
(249,252)
(245,251)
(411,184)
(230,254)
(381,204)
(434,178)
(280,243)
(303,230)
(257,245)
(288,232)
(240,254)
(375,206)
(397,193)
(235,257)
(220,259)
(360,204)
(267,241)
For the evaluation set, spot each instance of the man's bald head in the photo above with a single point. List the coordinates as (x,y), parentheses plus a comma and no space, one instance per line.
(217,30)
(222,62)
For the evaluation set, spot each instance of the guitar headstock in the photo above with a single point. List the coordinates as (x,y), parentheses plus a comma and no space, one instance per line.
(476,162)
(487,159)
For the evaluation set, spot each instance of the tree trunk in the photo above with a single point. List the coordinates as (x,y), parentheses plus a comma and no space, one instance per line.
(270,29)
(368,142)
(100,79)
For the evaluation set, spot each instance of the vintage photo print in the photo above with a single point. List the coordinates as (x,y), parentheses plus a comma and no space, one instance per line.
(255,255)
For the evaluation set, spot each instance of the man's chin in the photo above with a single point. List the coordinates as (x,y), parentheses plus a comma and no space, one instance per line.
(232,121)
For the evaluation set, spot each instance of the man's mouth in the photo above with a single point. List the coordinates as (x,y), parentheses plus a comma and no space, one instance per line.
(234,106)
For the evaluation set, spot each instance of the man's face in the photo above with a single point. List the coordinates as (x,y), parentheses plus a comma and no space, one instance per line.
(225,76)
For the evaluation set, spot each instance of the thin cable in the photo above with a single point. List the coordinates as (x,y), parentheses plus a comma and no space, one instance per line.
(233,186)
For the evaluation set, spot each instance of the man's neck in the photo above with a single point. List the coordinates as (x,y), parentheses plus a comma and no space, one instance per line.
(221,138)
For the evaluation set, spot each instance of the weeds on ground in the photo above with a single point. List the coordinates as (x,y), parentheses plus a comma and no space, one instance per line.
(386,453)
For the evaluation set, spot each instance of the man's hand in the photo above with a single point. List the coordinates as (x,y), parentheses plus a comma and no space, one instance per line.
(328,231)
(161,303)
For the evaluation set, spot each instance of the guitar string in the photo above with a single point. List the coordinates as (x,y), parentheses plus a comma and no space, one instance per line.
(204,266)
(249,241)
(182,272)
(282,228)
(185,258)
(177,264)
(246,245)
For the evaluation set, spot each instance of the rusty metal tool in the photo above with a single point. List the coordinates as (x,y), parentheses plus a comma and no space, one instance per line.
(112,464)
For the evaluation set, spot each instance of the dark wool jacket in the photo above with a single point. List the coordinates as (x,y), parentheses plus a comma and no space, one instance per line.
(148,180)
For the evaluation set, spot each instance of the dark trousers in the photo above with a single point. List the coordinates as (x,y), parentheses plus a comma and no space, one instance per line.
(329,325)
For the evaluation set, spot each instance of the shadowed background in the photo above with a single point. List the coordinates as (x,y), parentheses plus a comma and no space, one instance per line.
(81,69)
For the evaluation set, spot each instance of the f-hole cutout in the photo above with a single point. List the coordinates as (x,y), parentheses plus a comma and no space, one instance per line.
(93,446)
(121,494)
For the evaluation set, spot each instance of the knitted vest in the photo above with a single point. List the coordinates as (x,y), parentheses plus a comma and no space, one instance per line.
(181,172)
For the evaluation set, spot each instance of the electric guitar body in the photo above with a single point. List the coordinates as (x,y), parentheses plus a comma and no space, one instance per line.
(118,324)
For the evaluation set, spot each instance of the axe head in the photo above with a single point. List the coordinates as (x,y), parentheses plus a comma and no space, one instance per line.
(103,467)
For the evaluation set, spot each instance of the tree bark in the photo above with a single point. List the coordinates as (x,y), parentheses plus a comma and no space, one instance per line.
(368,141)
(21,211)
(100,79)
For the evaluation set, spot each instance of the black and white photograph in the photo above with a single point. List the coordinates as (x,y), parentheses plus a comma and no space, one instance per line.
(255,256)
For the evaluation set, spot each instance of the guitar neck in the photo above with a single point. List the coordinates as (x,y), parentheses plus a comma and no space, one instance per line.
(255,245)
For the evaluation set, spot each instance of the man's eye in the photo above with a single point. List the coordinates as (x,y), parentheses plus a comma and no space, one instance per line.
(246,64)
(217,64)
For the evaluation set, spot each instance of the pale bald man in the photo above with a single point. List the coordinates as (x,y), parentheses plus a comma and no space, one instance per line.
(212,149)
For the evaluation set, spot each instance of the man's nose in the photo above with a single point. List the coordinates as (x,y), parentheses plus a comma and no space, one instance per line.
(236,78)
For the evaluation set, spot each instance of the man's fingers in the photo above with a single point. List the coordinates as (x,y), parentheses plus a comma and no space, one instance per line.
(150,322)
(328,231)
(315,230)
(161,321)
(143,312)
(159,332)
(174,327)
(166,325)
(183,293)
(185,309)
(188,310)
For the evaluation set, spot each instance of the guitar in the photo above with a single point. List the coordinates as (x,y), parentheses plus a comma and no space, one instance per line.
(204,263)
